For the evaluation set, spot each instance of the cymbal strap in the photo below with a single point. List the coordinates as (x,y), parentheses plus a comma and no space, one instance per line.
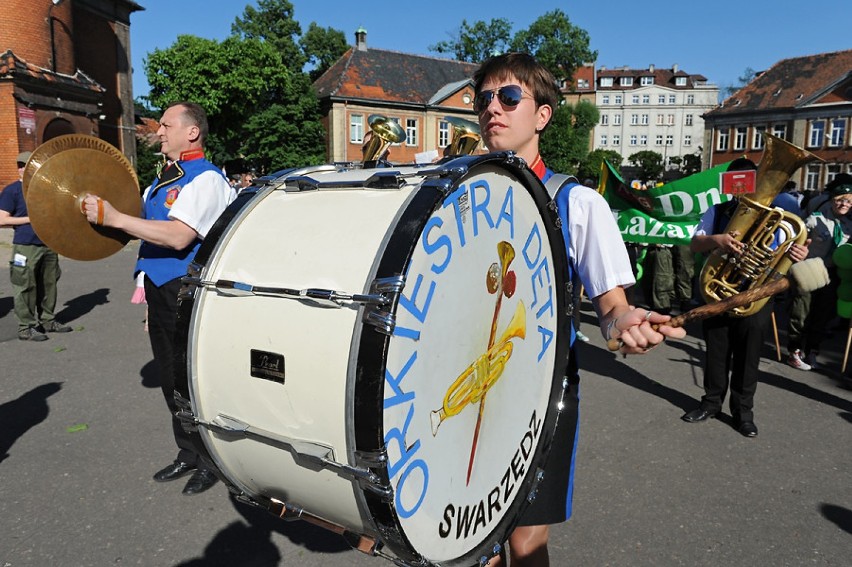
(100,212)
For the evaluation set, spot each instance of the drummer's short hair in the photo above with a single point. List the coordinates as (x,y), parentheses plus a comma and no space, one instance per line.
(196,115)
(526,69)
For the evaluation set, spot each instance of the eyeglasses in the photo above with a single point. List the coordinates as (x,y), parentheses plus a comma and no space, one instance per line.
(843,202)
(509,96)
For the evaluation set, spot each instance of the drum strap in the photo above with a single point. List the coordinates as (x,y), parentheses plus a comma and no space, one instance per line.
(559,187)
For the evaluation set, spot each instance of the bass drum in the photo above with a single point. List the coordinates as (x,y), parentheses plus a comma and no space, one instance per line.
(382,352)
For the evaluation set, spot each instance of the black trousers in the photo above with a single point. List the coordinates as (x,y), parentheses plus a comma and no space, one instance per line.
(732,360)
(162,320)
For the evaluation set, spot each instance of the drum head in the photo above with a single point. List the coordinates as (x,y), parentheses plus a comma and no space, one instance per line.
(473,368)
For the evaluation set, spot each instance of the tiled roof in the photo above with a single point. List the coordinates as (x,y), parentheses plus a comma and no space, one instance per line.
(793,83)
(390,76)
(12,66)
(662,77)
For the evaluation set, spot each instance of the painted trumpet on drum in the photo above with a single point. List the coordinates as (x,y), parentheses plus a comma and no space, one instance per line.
(757,226)
(477,379)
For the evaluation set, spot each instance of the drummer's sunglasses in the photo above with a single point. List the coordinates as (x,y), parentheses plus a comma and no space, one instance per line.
(509,96)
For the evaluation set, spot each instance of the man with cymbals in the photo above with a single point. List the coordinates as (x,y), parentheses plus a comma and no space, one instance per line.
(179,208)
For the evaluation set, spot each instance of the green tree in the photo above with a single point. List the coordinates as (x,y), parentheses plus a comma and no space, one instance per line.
(476,43)
(566,141)
(272,21)
(558,44)
(322,47)
(148,156)
(590,166)
(691,164)
(650,164)
(748,76)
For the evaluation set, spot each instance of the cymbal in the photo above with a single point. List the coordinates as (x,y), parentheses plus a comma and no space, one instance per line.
(56,192)
(61,143)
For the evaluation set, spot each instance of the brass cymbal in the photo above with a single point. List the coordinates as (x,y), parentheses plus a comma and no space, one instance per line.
(67,142)
(56,192)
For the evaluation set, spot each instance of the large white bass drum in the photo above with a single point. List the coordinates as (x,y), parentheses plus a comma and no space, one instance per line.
(382,352)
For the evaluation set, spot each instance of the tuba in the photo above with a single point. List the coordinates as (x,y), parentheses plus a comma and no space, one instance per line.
(758,226)
(466,136)
(384,133)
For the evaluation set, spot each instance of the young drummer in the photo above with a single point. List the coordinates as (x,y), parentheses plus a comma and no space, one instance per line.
(515,100)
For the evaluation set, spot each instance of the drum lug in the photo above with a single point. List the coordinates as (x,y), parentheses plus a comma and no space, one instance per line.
(557,220)
(184,414)
(388,288)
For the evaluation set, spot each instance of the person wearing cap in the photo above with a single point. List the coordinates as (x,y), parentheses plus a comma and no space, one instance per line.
(828,227)
(34,267)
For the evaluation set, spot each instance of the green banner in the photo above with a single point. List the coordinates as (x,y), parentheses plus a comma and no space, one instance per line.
(666,214)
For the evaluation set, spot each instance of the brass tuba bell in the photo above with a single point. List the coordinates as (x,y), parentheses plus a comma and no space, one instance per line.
(756,225)
(384,132)
(466,136)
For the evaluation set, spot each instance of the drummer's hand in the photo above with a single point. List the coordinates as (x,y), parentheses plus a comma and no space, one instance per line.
(97,210)
(634,333)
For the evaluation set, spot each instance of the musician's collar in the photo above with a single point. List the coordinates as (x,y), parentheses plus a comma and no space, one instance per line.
(538,167)
(189,155)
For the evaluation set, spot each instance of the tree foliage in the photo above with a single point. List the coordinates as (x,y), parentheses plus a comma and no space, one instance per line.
(650,164)
(322,47)
(559,45)
(591,165)
(273,23)
(566,141)
(477,42)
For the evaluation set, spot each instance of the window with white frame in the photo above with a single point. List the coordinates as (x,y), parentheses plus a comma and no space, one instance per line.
(670,119)
(646,99)
(780,130)
(690,99)
(616,119)
(812,177)
(411,132)
(672,99)
(661,99)
(643,140)
(633,139)
(635,99)
(604,119)
(687,120)
(634,119)
(603,139)
(669,140)
(618,98)
(658,141)
(758,139)
(816,133)
(606,81)
(722,137)
(605,99)
(616,140)
(645,119)
(356,128)
(443,134)
(582,83)
(626,81)
(680,81)
(837,135)
(645,81)
(832,170)
(661,119)
(740,137)
(687,140)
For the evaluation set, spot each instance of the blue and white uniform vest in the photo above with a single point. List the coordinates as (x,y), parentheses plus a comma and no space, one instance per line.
(161,264)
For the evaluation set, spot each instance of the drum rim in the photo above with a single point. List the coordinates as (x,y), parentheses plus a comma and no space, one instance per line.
(367,434)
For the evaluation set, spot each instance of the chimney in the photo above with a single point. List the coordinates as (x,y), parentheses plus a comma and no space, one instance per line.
(674,68)
(651,68)
(361,39)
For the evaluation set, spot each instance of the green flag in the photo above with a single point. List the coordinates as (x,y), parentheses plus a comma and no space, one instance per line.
(667,214)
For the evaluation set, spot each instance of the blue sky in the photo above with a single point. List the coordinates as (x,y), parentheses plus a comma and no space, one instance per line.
(719,41)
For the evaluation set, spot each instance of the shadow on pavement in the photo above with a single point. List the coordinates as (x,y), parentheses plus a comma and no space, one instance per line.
(150,377)
(79,306)
(24,413)
(838,515)
(250,544)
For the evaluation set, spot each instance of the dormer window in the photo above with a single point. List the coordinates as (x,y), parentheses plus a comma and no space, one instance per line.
(645,81)
(680,81)
(626,81)
(606,81)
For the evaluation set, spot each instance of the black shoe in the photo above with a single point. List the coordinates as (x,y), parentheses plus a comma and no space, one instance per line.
(201,480)
(55,327)
(174,471)
(697,415)
(747,429)
(31,334)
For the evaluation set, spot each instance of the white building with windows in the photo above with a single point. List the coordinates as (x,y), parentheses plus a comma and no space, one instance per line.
(652,109)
